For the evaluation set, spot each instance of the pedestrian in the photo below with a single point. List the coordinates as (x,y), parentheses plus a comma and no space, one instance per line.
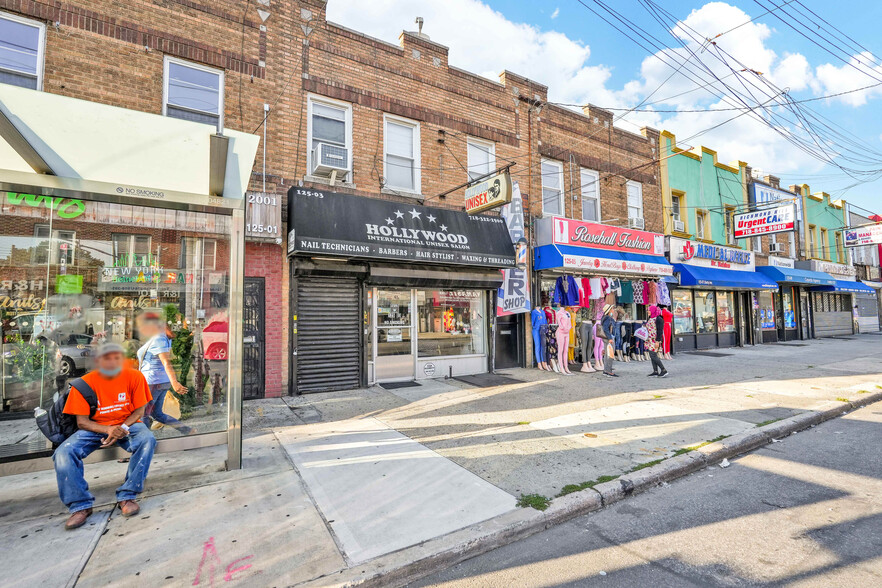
(607,333)
(121,395)
(655,341)
(154,361)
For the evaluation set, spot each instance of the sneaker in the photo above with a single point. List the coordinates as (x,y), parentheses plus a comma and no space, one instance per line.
(610,375)
(663,374)
(77,519)
(652,375)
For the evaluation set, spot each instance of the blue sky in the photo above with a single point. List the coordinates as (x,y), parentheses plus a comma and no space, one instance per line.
(583,59)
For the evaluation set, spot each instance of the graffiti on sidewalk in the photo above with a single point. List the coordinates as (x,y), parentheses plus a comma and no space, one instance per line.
(210,565)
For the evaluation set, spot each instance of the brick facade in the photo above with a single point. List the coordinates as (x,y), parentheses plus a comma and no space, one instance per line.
(112,52)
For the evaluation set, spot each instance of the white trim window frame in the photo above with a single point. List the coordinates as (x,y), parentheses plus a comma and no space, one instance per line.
(552,187)
(10,74)
(193,113)
(635,199)
(590,188)
(401,154)
(345,108)
(130,257)
(481,157)
(53,239)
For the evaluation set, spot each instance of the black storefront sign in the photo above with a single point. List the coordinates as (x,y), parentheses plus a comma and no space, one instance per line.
(333,224)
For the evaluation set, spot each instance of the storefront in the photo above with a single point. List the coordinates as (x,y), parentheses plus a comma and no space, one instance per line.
(604,264)
(868,307)
(717,287)
(789,313)
(833,302)
(86,249)
(385,291)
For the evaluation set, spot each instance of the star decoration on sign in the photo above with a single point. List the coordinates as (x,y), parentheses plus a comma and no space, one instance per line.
(389,221)
(414,214)
(430,218)
(398,214)
(443,227)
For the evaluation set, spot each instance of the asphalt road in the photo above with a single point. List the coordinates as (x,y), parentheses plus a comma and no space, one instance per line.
(806,511)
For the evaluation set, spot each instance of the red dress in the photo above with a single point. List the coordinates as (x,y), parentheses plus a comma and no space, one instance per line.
(668,317)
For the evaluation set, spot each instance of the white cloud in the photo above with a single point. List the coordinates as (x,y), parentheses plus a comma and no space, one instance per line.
(855,74)
(555,13)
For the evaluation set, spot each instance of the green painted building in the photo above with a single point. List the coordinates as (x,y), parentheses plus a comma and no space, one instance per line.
(824,221)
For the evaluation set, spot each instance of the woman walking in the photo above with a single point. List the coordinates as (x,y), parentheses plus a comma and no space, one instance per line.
(655,341)
(155,363)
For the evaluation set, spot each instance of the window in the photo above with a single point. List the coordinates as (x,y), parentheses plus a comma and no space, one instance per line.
(824,245)
(22,43)
(676,206)
(635,200)
(330,122)
(451,322)
(193,92)
(402,162)
(552,187)
(792,245)
(730,230)
(590,199)
(701,224)
(705,312)
(767,311)
(131,250)
(482,158)
(682,311)
(725,312)
(199,253)
(56,246)
(757,244)
(840,254)
(811,241)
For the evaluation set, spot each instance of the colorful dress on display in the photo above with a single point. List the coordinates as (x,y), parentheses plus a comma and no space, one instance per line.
(638,292)
(664,295)
(668,318)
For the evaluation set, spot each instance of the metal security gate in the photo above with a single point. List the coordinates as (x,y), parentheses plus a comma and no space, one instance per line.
(327,333)
(253,330)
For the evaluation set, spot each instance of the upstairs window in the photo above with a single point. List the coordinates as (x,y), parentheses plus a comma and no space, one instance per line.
(131,250)
(482,158)
(22,44)
(402,161)
(552,187)
(590,198)
(193,92)
(635,200)
(330,123)
(701,224)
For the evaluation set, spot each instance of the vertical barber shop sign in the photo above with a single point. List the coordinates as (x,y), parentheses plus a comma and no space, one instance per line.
(514,295)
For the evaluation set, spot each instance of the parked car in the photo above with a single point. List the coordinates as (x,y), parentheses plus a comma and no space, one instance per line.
(74,354)
(214,338)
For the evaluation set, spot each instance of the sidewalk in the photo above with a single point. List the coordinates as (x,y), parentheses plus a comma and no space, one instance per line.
(344,486)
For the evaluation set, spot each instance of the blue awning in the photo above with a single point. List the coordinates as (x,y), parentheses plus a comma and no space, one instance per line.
(846,286)
(797,276)
(713,277)
(601,261)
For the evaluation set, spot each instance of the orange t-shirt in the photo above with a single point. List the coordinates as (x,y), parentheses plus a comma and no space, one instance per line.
(118,398)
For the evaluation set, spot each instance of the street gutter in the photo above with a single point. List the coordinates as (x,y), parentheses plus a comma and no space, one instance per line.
(409,564)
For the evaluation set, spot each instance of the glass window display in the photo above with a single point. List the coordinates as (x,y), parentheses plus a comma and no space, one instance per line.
(789,315)
(80,273)
(683,322)
(767,311)
(394,326)
(705,312)
(725,312)
(451,322)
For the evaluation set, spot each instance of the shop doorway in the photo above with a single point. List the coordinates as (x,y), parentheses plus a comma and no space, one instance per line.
(254,340)
(509,341)
(394,340)
(805,314)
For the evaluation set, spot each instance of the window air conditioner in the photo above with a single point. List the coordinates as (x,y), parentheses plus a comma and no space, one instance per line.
(636,223)
(776,247)
(679,226)
(327,159)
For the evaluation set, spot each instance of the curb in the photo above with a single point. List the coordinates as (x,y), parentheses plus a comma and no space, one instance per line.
(412,563)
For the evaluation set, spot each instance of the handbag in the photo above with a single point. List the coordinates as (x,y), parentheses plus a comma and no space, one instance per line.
(610,350)
(642,333)
(172,406)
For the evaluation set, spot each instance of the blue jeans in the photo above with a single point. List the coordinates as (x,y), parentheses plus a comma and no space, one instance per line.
(68,458)
(153,412)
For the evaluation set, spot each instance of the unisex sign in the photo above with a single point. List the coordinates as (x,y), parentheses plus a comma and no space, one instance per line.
(332,224)
(493,192)
(867,235)
(765,222)
(708,255)
(566,231)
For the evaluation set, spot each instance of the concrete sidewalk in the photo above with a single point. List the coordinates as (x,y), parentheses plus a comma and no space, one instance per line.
(343,487)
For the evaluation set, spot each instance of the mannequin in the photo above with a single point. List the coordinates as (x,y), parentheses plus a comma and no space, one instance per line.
(586,332)
(668,319)
(564,323)
(551,339)
(598,347)
(537,318)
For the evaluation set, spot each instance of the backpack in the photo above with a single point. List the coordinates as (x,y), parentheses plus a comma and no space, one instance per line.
(58,426)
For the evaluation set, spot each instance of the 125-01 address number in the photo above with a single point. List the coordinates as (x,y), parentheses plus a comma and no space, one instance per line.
(262,229)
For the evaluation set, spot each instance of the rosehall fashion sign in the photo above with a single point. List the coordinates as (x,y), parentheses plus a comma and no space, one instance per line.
(333,224)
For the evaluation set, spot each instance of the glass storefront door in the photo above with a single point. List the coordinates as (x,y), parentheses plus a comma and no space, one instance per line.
(395,357)
(81,273)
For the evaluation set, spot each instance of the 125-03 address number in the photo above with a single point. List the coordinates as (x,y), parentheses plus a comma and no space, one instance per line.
(266,229)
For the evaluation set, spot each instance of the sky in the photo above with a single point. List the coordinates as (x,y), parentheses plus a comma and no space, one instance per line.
(770,59)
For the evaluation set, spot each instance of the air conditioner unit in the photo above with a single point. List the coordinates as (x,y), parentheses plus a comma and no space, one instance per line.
(679,226)
(776,247)
(636,223)
(327,159)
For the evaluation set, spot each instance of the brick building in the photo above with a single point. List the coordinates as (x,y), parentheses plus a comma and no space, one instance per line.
(411,126)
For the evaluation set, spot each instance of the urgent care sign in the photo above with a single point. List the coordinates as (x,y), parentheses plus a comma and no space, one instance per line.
(566,231)
(779,219)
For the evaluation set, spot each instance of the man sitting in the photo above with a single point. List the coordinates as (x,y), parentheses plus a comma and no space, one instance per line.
(122,394)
